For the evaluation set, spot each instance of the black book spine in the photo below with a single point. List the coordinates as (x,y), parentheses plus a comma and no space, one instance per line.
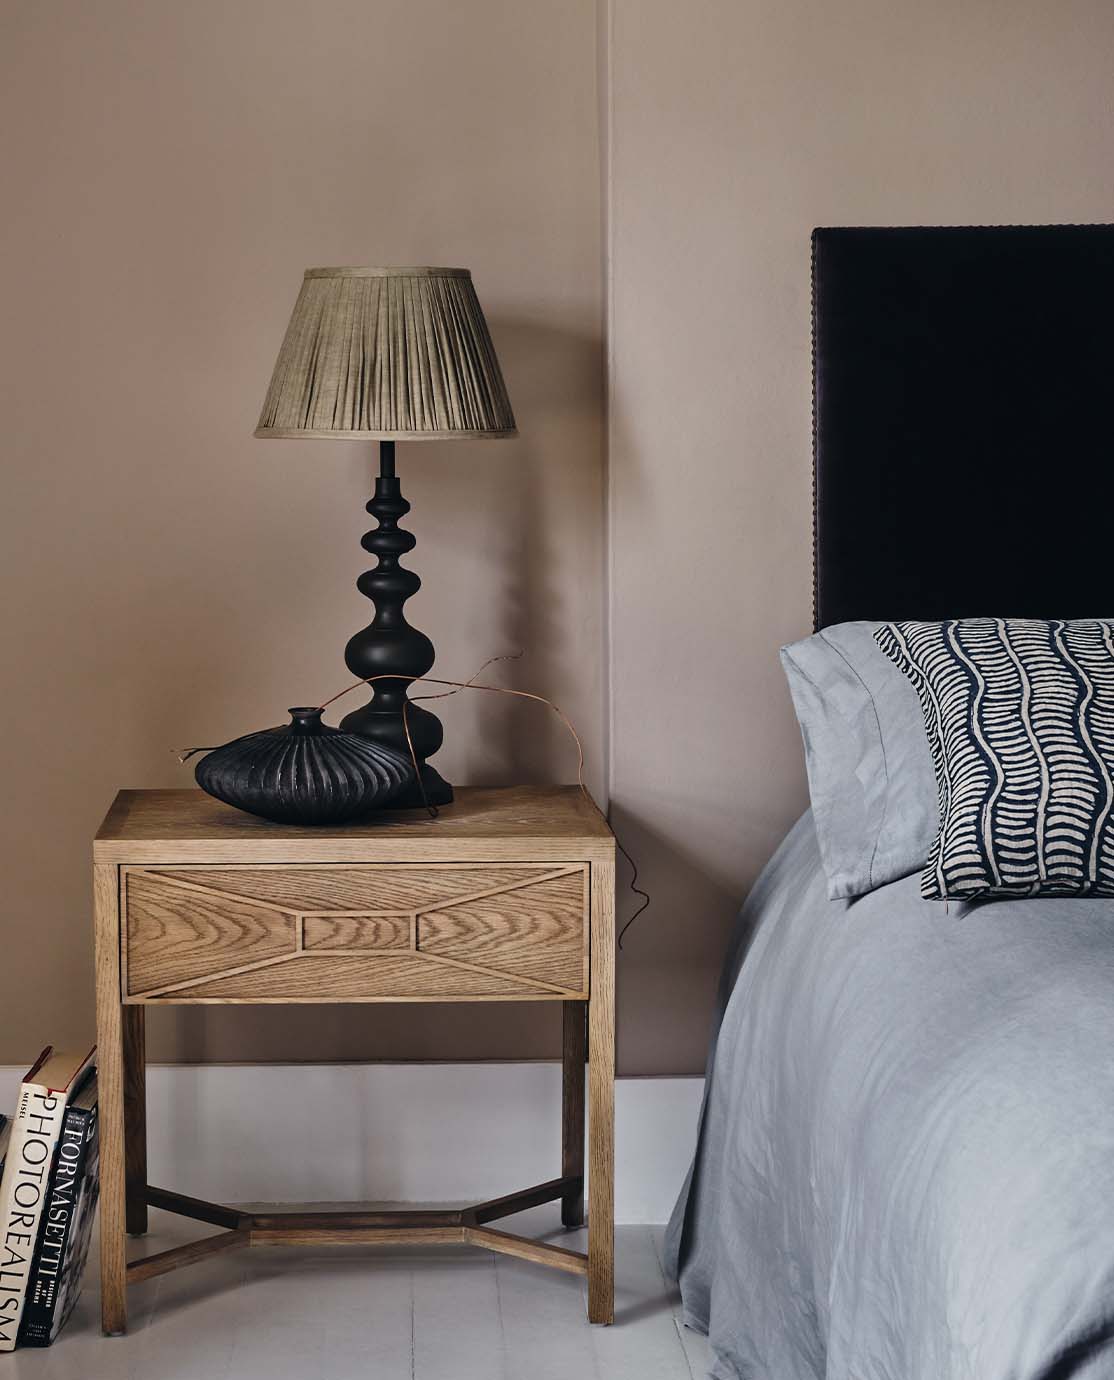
(52,1248)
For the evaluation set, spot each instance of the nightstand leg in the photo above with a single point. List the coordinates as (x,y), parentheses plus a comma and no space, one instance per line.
(135,1118)
(110,1096)
(601,1099)
(573,1053)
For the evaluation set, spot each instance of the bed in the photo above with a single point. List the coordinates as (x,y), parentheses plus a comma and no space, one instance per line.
(905,1167)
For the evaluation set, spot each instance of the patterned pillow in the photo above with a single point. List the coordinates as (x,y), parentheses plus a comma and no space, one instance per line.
(1020,720)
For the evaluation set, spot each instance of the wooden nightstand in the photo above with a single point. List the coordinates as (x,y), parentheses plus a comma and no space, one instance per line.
(509,895)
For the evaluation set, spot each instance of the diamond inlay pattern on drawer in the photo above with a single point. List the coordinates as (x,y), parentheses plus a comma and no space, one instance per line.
(384,932)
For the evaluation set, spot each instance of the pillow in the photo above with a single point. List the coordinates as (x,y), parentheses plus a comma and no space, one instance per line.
(870,773)
(1020,720)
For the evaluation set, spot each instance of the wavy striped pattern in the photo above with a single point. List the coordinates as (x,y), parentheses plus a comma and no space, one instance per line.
(1020,721)
(387,352)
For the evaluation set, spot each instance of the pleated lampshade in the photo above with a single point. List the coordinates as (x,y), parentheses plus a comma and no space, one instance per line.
(387,354)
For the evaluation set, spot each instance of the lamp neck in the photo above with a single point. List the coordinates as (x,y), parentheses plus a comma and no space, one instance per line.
(386,459)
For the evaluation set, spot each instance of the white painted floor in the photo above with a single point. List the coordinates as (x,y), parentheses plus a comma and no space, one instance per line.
(379,1313)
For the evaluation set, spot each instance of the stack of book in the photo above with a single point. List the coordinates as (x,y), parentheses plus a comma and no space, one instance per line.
(48,1196)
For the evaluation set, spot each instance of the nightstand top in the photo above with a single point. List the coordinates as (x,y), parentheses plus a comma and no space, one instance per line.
(483,822)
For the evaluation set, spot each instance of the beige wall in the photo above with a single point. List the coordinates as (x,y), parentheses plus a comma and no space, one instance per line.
(168,171)
(738,125)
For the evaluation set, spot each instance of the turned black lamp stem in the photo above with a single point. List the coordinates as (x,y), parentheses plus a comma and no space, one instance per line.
(389,646)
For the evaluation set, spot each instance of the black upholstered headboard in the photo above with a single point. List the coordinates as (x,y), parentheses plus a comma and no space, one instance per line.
(964,443)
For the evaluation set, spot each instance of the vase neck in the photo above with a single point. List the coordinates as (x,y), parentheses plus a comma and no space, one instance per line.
(306,721)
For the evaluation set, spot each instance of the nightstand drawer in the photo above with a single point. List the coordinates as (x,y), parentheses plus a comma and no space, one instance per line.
(339,932)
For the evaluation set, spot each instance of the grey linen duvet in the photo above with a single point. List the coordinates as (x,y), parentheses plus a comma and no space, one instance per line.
(906,1159)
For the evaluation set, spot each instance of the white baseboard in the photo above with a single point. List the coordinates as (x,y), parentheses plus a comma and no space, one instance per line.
(402,1133)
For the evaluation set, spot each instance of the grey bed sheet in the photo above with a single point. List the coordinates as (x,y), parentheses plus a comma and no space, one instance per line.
(905,1168)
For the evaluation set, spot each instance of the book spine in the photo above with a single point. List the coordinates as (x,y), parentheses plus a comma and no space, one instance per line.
(35,1130)
(37,1327)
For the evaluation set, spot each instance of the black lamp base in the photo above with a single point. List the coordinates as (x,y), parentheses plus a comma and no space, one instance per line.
(389,647)
(387,729)
(437,792)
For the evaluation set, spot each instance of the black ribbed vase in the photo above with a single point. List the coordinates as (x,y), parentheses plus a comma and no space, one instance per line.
(304,772)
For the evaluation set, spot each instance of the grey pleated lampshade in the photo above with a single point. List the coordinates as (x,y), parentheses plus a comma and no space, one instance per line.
(387,353)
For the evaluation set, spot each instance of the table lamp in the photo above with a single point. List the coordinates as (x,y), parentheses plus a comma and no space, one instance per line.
(389,354)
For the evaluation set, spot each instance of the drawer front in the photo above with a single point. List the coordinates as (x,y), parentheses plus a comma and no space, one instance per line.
(380,932)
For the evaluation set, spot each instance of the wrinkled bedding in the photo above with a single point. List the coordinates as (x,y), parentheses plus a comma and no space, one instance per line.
(905,1168)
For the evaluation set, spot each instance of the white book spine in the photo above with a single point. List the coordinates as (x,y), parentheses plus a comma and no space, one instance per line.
(36,1127)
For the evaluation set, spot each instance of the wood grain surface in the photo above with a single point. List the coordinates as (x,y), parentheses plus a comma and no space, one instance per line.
(537,822)
(601,1100)
(376,889)
(537,1252)
(173,934)
(165,1261)
(355,933)
(331,977)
